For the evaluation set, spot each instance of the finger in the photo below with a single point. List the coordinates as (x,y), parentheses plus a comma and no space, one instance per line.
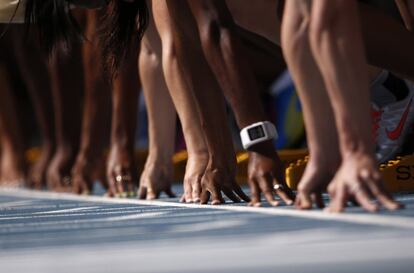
(305,201)
(112,191)
(196,190)
(182,199)
(338,200)
(238,190)
(362,197)
(118,183)
(142,192)
(282,193)
(216,197)
(187,191)
(170,193)
(230,194)
(382,197)
(204,196)
(254,192)
(152,194)
(265,184)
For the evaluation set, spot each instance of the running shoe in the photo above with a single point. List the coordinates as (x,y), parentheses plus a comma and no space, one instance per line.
(392,124)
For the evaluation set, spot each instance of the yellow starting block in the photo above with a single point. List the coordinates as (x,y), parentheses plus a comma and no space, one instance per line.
(398,174)
(286,156)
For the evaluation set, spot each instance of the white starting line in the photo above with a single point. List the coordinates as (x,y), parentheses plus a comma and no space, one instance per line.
(356,218)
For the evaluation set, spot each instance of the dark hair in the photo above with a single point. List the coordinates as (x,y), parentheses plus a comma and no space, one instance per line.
(55,24)
(123,26)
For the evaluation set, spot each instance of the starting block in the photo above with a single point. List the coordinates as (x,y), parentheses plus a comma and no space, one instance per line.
(286,156)
(398,174)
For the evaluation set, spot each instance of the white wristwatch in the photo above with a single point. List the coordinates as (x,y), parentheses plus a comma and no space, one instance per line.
(257,132)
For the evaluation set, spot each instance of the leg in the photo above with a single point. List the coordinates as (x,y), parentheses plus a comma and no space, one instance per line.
(336,43)
(158,172)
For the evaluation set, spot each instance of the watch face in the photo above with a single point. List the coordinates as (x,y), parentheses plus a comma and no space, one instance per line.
(256,132)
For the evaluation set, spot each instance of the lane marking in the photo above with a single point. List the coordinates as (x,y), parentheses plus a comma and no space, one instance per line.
(134,216)
(356,218)
(15,204)
(65,210)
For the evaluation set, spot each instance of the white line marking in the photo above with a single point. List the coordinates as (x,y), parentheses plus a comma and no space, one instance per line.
(134,216)
(65,210)
(15,204)
(357,218)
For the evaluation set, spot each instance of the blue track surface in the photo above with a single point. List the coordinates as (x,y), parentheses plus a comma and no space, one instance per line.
(44,232)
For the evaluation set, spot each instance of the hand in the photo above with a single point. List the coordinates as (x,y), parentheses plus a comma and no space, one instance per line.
(358,179)
(265,170)
(155,179)
(121,172)
(218,179)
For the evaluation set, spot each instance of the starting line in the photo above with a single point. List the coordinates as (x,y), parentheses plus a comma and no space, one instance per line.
(395,221)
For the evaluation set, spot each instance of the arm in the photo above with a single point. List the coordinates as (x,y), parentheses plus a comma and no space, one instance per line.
(224,51)
(158,172)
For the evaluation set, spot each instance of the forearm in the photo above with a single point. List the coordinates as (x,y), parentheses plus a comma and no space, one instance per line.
(160,109)
(338,47)
(124,110)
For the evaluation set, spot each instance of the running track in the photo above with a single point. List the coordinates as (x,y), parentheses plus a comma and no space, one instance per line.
(48,232)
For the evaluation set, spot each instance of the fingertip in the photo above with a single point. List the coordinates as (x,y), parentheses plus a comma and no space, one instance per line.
(257,205)
(215,202)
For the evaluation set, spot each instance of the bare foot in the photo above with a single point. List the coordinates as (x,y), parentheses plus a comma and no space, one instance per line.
(155,179)
(37,172)
(358,177)
(121,172)
(12,169)
(194,171)
(58,173)
(317,175)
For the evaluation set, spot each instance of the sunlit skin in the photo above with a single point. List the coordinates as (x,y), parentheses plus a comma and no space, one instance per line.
(343,73)
(181,44)
(185,105)
(157,176)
